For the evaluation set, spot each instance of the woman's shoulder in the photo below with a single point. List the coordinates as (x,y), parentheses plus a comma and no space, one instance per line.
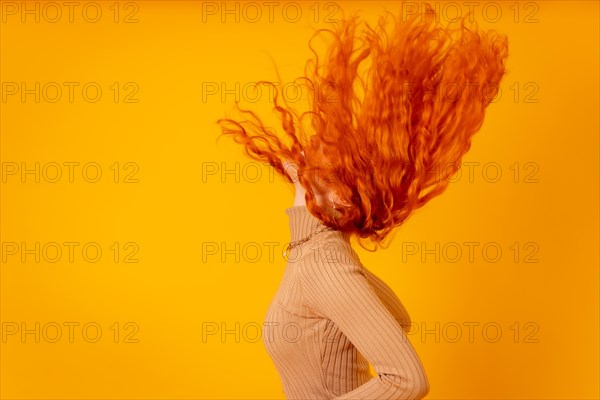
(336,266)
(389,298)
(330,266)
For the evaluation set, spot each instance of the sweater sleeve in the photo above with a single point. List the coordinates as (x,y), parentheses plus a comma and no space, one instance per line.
(337,289)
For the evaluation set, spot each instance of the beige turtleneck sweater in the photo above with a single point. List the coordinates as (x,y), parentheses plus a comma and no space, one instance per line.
(331,317)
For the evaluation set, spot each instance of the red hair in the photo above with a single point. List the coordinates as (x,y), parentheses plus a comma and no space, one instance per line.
(423,97)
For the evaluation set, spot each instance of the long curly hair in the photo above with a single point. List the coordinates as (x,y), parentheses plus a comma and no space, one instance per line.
(393,134)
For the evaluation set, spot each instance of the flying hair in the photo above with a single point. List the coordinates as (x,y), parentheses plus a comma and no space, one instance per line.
(394,110)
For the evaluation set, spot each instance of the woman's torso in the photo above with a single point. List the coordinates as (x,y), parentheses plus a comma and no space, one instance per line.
(313,357)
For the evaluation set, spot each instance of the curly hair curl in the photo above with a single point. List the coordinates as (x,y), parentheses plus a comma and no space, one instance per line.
(394,134)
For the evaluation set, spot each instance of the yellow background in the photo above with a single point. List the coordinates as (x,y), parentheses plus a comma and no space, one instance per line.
(545,115)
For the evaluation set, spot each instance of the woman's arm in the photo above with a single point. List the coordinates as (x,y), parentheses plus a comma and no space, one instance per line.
(338,290)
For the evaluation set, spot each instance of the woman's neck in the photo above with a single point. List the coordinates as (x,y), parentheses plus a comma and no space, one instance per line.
(299,198)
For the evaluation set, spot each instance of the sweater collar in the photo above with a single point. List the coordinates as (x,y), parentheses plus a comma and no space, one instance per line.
(303,224)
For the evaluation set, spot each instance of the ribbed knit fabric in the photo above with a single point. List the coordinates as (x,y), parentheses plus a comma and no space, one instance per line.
(331,317)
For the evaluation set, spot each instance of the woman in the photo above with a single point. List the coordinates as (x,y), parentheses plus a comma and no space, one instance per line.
(372,157)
